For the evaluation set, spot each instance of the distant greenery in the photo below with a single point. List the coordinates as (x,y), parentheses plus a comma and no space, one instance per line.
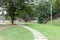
(15,33)
(15,8)
(44,11)
(44,8)
(29,10)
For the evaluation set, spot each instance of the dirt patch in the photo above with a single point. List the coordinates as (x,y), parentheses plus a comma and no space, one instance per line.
(2,27)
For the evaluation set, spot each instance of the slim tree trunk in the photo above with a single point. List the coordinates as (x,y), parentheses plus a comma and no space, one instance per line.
(12,19)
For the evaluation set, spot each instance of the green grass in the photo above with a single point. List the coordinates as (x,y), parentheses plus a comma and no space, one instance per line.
(55,22)
(15,33)
(51,32)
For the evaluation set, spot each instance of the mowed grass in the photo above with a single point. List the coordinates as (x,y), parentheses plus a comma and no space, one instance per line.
(55,22)
(51,32)
(16,33)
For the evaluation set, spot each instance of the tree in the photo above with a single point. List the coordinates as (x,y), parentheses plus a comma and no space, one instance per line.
(16,7)
(43,11)
(56,8)
(11,11)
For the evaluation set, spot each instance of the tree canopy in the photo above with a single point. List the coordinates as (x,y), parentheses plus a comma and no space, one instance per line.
(16,7)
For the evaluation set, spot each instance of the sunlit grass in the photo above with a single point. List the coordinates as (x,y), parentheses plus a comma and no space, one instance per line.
(51,32)
(15,33)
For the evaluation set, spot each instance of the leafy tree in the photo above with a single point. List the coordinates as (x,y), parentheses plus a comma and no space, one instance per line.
(56,6)
(11,11)
(16,7)
(44,11)
(56,9)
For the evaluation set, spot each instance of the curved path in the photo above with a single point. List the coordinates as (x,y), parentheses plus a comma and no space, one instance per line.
(37,34)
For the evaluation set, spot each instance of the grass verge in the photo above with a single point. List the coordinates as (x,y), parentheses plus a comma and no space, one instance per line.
(15,33)
(51,32)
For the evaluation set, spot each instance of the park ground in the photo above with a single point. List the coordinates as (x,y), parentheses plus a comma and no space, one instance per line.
(52,32)
(20,33)
(15,33)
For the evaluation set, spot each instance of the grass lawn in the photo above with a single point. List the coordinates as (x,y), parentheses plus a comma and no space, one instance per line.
(55,22)
(15,33)
(51,32)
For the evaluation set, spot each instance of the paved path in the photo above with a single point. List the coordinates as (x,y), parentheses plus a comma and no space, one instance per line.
(37,34)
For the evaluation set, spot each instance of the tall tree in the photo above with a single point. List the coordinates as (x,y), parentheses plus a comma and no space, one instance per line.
(16,6)
(43,11)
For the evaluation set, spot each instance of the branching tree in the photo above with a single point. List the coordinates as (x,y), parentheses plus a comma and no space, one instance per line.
(16,7)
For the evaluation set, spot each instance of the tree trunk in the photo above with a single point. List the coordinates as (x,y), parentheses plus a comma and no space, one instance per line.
(12,20)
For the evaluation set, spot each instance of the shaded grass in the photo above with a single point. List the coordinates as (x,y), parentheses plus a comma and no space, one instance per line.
(51,32)
(15,33)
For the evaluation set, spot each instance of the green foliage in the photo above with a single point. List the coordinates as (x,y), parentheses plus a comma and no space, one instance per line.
(15,7)
(11,8)
(44,8)
(56,6)
(26,10)
(24,15)
(56,9)
(44,12)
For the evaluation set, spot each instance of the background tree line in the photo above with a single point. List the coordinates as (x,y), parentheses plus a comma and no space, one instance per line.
(44,10)
(28,10)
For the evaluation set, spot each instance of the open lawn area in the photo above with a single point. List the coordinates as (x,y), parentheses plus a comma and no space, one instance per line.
(15,33)
(55,22)
(51,32)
